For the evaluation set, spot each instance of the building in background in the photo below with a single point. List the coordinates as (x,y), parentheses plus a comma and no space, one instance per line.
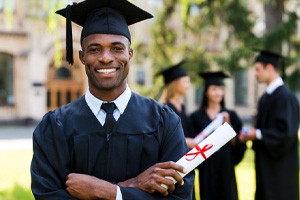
(33,81)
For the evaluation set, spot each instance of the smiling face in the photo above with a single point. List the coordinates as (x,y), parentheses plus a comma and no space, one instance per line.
(106,59)
(183,84)
(215,94)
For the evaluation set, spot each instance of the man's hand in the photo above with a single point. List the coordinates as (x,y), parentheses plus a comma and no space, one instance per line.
(87,187)
(249,135)
(151,180)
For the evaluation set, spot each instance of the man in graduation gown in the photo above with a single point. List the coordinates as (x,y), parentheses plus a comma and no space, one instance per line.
(111,143)
(275,137)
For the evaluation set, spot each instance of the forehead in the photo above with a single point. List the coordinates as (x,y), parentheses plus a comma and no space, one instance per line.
(213,87)
(105,39)
(184,78)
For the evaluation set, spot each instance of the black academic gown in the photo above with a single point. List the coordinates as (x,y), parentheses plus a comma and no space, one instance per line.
(216,174)
(71,139)
(276,155)
(185,120)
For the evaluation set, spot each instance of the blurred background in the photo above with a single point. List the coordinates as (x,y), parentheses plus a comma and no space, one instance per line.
(209,34)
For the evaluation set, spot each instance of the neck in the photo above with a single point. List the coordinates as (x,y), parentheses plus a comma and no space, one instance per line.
(213,109)
(214,106)
(176,98)
(272,78)
(177,102)
(108,94)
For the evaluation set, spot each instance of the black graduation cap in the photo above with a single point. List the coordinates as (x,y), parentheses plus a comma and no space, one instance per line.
(213,78)
(172,73)
(266,56)
(101,16)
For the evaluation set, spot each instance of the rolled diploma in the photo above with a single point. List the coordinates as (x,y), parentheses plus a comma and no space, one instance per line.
(217,122)
(205,149)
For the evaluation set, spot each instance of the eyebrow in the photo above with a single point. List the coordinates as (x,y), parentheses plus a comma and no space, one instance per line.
(113,43)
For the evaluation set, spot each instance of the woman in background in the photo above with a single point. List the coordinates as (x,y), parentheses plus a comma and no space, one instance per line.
(217,174)
(177,82)
(176,85)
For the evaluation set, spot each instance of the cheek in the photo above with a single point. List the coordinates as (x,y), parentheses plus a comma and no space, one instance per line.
(217,94)
(90,60)
(210,94)
(187,85)
(221,94)
(183,86)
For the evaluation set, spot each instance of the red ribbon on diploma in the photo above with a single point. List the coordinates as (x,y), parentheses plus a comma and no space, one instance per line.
(200,151)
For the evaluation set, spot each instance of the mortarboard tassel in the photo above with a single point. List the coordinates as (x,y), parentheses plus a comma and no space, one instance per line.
(69,37)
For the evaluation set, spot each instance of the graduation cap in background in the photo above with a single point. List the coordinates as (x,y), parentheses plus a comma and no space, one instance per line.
(266,56)
(213,78)
(100,17)
(172,73)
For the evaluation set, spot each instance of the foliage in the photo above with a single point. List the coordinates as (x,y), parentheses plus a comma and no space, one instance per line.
(16,193)
(45,11)
(197,34)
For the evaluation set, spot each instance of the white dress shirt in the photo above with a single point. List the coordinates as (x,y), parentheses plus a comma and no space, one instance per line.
(274,85)
(269,90)
(95,105)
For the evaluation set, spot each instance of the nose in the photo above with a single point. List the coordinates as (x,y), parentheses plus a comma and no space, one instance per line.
(105,56)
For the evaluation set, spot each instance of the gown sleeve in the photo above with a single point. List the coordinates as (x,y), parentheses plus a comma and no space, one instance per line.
(50,162)
(173,147)
(280,137)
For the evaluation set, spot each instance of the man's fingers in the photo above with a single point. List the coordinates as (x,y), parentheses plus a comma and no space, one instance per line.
(170,165)
(171,169)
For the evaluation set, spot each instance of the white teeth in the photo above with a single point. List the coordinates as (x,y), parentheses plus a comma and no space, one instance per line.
(106,71)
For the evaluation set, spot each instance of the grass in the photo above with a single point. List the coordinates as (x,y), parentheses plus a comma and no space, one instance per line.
(245,175)
(15,168)
(15,175)
(17,192)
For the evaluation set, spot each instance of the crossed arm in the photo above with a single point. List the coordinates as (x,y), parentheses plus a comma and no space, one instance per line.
(84,186)
(52,178)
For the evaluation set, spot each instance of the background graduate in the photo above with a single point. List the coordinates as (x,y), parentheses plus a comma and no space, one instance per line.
(177,82)
(217,174)
(111,143)
(275,136)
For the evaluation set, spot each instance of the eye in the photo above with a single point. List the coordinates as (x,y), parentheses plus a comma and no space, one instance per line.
(118,48)
(94,49)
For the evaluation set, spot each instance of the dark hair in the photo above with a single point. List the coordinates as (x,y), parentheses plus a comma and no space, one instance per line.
(204,103)
(264,64)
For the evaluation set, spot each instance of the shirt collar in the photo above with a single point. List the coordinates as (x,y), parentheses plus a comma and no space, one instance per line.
(274,85)
(122,101)
(95,104)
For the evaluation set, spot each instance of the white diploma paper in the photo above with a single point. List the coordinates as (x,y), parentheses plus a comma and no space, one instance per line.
(205,149)
(217,122)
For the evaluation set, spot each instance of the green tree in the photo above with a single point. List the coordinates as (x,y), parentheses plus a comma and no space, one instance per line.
(195,29)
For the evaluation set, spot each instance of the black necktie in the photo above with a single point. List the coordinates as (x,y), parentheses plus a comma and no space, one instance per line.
(109,120)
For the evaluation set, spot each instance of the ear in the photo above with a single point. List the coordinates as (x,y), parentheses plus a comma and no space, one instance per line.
(130,53)
(81,57)
(270,67)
